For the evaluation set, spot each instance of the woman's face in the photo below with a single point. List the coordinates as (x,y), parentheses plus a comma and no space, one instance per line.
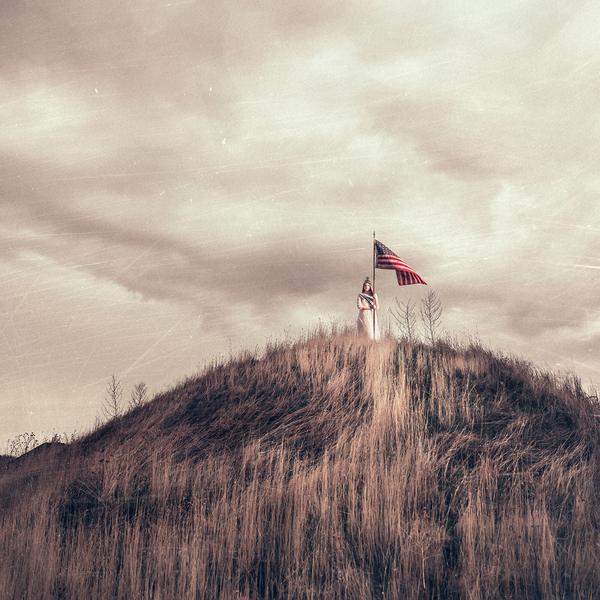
(367,287)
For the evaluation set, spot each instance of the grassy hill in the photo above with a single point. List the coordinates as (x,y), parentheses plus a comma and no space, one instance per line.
(329,467)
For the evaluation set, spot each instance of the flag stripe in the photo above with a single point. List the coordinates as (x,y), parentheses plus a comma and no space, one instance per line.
(386,259)
(392,261)
(393,265)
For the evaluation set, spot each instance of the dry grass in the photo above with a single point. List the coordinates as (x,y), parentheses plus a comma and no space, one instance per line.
(329,467)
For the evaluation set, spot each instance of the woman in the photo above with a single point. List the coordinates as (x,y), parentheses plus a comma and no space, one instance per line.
(367,304)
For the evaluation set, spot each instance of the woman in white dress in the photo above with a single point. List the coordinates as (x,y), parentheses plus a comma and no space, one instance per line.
(367,304)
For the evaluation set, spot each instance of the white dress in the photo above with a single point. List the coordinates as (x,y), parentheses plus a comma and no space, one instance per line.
(364,322)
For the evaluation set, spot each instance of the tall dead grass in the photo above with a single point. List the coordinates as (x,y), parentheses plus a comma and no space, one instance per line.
(329,467)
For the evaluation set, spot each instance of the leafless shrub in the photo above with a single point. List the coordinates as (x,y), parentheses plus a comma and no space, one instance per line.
(139,395)
(59,438)
(23,443)
(405,317)
(431,315)
(113,398)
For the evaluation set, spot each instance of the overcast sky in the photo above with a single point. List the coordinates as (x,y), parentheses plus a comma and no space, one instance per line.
(178,178)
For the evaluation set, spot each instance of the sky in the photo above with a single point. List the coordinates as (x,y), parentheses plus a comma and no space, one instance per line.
(179,180)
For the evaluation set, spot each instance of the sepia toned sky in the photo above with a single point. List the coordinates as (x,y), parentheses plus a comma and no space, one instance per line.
(178,179)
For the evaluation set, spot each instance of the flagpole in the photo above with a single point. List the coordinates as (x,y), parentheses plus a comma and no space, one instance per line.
(374,260)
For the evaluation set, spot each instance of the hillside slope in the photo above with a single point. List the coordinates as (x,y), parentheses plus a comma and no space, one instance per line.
(330,467)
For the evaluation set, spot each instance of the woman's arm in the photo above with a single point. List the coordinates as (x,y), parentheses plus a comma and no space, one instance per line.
(361,304)
(376,301)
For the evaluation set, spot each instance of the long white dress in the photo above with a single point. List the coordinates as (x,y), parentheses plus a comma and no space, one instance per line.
(364,322)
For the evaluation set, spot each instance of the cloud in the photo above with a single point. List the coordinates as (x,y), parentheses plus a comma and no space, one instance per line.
(228,162)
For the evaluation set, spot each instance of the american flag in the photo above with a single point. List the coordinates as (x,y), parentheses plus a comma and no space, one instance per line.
(386,259)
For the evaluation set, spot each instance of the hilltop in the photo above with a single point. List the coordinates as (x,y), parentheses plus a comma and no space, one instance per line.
(327,467)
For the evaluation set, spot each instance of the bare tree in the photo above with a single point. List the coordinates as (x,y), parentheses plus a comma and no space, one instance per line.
(139,395)
(431,315)
(405,316)
(113,398)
